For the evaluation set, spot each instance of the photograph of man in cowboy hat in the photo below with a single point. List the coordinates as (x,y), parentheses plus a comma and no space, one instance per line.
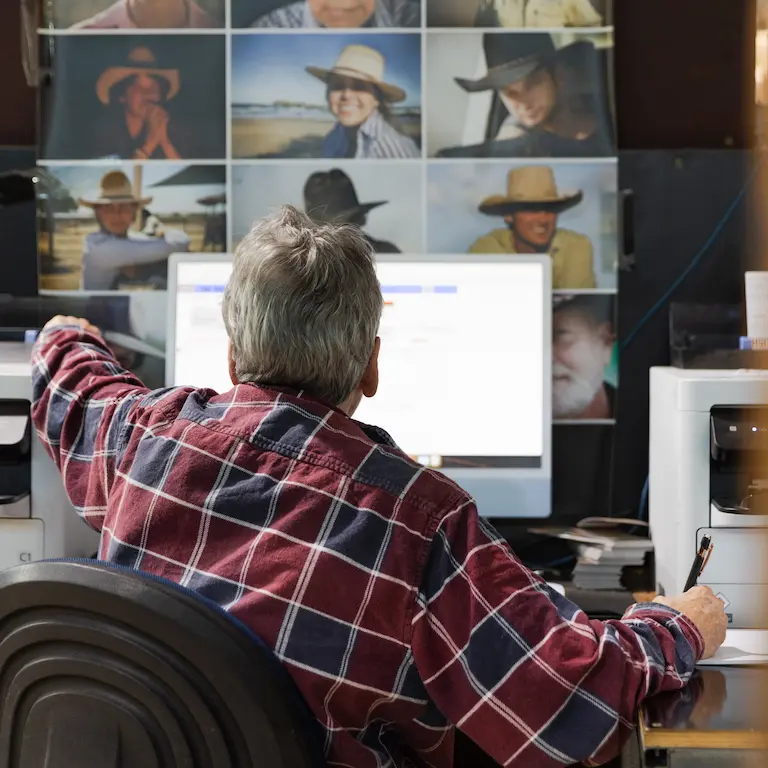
(517,14)
(115,253)
(366,105)
(384,199)
(584,375)
(530,209)
(152,97)
(330,197)
(545,100)
(137,14)
(332,14)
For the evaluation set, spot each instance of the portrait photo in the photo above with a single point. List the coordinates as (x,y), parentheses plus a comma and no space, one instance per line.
(584,357)
(112,228)
(326,95)
(328,14)
(134,14)
(520,14)
(384,200)
(565,209)
(134,97)
(519,94)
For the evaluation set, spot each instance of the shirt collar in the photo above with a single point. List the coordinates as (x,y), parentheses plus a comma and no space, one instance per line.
(371,128)
(382,17)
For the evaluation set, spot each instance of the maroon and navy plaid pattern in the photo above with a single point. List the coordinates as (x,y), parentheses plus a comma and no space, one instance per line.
(397,610)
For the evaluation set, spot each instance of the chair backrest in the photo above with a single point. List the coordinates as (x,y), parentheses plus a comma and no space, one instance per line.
(105,666)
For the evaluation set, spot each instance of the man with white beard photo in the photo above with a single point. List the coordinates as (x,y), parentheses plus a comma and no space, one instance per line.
(583,340)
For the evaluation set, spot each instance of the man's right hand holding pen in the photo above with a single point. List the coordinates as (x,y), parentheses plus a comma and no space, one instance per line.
(706,611)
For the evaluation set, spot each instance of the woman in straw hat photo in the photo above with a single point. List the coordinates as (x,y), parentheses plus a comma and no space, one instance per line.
(135,97)
(115,256)
(359,98)
(361,101)
(530,209)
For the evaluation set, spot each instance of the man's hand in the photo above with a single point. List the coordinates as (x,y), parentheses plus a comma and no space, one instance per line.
(59,320)
(706,611)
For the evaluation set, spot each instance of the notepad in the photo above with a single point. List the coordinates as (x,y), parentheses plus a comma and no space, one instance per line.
(741,648)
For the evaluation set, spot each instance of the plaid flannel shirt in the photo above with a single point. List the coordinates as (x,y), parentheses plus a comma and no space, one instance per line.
(398,611)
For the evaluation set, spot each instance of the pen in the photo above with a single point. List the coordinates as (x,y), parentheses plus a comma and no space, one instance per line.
(705,549)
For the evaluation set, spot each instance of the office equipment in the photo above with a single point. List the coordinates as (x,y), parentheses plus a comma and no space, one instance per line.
(742,647)
(36,518)
(699,562)
(465,365)
(105,666)
(708,476)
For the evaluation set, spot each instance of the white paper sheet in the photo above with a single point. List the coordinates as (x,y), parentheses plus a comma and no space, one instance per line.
(741,647)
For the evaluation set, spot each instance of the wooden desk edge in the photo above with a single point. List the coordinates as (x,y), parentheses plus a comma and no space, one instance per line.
(664,738)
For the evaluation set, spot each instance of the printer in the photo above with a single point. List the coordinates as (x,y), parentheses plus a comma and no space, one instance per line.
(36,519)
(709,476)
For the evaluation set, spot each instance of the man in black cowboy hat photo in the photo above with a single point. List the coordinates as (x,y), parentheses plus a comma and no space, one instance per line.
(583,339)
(549,102)
(530,209)
(330,197)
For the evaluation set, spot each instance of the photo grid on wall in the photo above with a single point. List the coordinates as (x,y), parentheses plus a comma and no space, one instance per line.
(437,126)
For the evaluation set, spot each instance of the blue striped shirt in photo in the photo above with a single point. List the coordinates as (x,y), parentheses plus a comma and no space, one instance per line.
(388,13)
(376,138)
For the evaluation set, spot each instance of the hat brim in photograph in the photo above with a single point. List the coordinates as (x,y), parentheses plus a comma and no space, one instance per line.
(94,202)
(109,78)
(318,214)
(514,71)
(499,205)
(391,93)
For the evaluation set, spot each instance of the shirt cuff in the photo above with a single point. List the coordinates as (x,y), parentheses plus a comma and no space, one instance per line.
(659,610)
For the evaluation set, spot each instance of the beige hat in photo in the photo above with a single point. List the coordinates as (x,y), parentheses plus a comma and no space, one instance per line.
(115,187)
(359,62)
(530,188)
(141,61)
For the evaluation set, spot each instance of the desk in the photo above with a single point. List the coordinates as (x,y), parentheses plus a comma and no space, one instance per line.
(722,710)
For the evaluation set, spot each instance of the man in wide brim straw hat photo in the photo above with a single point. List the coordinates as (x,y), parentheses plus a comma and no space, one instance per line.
(530,209)
(544,91)
(358,97)
(108,252)
(330,198)
(141,86)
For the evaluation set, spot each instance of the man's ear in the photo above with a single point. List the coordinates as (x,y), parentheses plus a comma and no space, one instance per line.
(369,384)
(231,365)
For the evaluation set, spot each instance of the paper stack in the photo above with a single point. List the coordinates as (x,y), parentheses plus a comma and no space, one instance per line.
(603,554)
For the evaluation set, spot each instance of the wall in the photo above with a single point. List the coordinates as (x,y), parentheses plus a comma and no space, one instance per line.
(17,117)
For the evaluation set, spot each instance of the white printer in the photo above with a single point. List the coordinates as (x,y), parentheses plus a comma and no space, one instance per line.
(709,475)
(36,519)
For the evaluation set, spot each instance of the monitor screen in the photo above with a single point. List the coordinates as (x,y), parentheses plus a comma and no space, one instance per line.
(464,366)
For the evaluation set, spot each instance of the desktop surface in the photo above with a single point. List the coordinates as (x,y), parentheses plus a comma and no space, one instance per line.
(721,708)
(465,365)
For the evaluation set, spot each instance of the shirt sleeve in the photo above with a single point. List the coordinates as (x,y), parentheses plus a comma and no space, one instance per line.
(117,252)
(577,265)
(523,671)
(82,401)
(581,13)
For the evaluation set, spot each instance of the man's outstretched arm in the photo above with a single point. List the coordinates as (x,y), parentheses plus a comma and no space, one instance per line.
(81,406)
(520,669)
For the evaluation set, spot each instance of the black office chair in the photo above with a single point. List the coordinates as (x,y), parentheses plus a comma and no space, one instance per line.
(102,666)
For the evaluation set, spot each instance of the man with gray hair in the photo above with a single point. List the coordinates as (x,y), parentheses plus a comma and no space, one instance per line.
(399,613)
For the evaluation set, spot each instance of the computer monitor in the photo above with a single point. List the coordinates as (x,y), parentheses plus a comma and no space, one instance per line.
(465,365)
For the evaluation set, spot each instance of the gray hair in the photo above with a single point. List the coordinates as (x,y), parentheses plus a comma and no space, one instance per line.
(303,305)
